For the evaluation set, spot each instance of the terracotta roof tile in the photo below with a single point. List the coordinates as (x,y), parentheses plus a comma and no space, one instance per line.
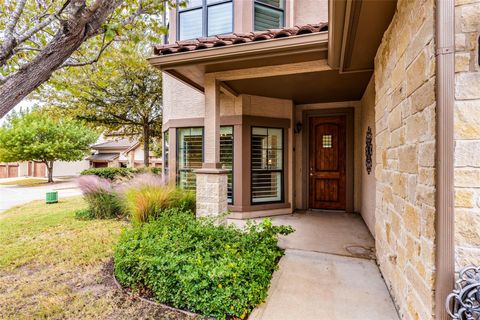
(236,38)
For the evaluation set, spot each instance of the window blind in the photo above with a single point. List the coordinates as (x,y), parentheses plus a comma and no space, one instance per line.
(189,156)
(220,19)
(267,165)
(268,15)
(226,157)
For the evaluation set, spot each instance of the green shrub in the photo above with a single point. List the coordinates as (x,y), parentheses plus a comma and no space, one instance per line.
(110,173)
(146,196)
(84,214)
(103,201)
(195,265)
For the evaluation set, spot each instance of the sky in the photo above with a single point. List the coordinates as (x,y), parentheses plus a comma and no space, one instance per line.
(23,104)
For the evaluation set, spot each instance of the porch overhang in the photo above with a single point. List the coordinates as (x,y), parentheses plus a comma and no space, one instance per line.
(326,66)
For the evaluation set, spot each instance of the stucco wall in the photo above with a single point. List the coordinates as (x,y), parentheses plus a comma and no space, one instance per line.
(180,101)
(367,105)
(467,133)
(405,157)
(310,11)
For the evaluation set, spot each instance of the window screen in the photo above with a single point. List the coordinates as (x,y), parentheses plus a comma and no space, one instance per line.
(268,14)
(189,156)
(267,165)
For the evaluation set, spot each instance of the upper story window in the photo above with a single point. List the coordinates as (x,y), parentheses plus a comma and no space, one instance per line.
(268,14)
(205,18)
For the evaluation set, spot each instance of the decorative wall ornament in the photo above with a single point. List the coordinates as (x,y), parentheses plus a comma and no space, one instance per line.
(464,301)
(368,150)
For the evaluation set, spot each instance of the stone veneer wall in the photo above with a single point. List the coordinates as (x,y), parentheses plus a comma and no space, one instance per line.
(405,158)
(467,133)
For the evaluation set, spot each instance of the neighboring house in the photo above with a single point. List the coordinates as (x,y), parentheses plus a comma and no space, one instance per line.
(39,170)
(377,112)
(124,153)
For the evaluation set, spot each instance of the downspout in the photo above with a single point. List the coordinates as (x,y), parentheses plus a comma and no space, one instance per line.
(445,94)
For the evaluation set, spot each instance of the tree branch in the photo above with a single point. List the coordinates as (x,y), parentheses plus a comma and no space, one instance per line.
(92,61)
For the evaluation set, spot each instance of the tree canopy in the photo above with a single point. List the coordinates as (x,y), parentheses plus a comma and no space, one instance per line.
(122,94)
(38,37)
(38,136)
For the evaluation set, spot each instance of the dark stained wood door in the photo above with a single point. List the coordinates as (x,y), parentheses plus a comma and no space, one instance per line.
(327,176)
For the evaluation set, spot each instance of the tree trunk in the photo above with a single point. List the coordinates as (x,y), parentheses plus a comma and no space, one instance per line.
(49,165)
(68,39)
(146,144)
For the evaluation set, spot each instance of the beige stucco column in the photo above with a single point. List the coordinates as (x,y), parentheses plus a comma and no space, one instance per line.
(211,179)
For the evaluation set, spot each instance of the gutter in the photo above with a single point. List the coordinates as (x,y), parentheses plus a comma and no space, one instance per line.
(445,96)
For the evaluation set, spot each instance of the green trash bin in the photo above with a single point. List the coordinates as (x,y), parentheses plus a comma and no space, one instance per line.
(52,197)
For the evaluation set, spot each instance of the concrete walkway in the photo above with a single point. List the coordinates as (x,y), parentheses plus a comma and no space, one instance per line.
(11,196)
(327,272)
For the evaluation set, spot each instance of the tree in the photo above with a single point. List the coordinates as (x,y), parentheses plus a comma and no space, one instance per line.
(122,94)
(41,36)
(36,136)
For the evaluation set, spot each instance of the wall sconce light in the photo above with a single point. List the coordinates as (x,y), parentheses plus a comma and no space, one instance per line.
(298,127)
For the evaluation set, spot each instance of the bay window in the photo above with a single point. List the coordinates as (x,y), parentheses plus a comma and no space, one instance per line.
(266,165)
(268,14)
(190,156)
(201,18)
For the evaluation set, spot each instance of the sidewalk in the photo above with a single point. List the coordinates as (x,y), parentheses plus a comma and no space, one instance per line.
(11,196)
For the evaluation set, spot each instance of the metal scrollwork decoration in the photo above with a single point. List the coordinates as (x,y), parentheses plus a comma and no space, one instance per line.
(368,150)
(464,301)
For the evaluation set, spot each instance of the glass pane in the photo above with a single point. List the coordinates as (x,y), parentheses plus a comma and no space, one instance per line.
(273,3)
(275,159)
(267,18)
(275,138)
(166,151)
(267,163)
(266,187)
(190,24)
(226,157)
(193,3)
(189,155)
(327,141)
(220,19)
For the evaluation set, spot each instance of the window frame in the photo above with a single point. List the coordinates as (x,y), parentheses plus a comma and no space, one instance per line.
(204,7)
(282,171)
(262,4)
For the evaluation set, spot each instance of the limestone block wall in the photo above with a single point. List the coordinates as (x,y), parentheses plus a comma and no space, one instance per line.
(405,158)
(367,105)
(467,133)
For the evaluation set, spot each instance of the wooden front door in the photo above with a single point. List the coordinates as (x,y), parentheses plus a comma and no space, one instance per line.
(327,176)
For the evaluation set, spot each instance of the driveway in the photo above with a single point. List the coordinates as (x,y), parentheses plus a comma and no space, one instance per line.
(11,196)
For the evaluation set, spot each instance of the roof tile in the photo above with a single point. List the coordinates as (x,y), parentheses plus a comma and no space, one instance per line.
(236,38)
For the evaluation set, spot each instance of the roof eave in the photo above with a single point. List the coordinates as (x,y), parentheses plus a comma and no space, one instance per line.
(279,46)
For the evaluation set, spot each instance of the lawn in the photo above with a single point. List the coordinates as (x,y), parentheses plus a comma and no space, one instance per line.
(29,182)
(55,266)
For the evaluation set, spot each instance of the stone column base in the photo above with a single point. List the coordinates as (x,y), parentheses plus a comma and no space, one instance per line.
(211,192)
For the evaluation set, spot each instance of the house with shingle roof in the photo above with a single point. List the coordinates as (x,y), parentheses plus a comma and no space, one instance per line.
(120,152)
(370,107)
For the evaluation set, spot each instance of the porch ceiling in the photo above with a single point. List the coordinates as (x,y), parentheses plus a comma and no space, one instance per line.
(310,87)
